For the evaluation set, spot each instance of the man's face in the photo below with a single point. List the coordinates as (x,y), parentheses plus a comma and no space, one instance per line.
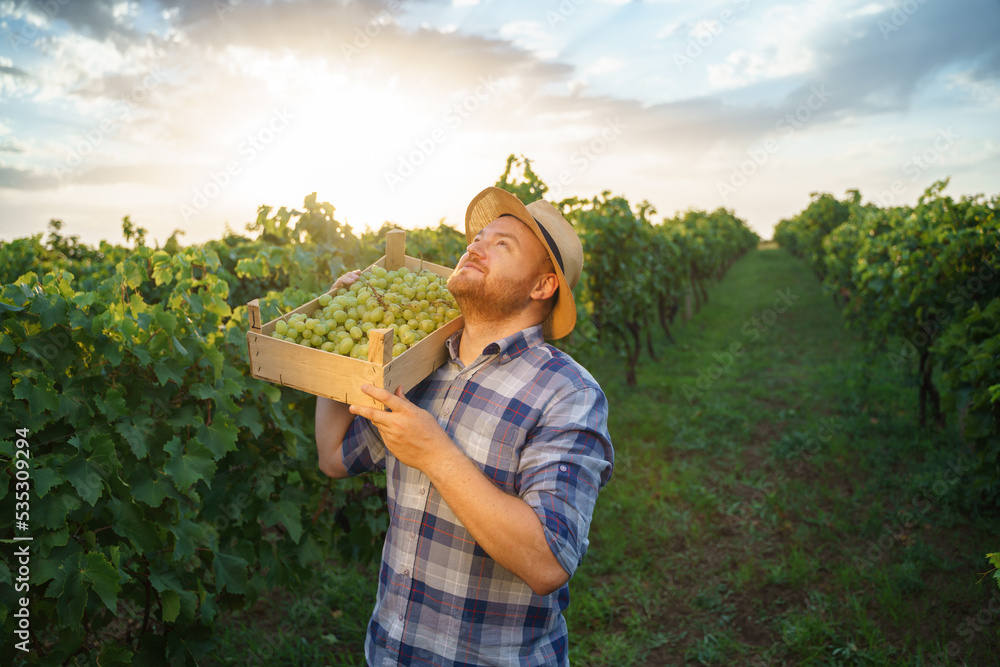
(495,276)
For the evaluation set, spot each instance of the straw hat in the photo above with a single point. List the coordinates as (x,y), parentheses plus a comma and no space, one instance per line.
(557,236)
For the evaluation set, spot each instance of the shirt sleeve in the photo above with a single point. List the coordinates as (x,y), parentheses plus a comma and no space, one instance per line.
(363,450)
(567,459)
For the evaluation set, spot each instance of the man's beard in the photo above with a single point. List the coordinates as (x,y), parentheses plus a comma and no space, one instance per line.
(490,299)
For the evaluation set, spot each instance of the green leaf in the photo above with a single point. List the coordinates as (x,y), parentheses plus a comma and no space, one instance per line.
(130,523)
(134,272)
(67,587)
(44,479)
(249,417)
(285,513)
(219,437)
(168,370)
(7,343)
(230,573)
(171,605)
(115,654)
(8,308)
(86,476)
(188,463)
(50,308)
(41,395)
(136,434)
(103,578)
(180,349)
(112,404)
(187,536)
(149,491)
(84,299)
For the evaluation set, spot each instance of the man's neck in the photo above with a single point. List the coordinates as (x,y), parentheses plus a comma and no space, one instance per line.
(477,335)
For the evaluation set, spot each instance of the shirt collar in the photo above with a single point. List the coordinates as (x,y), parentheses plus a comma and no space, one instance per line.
(506,348)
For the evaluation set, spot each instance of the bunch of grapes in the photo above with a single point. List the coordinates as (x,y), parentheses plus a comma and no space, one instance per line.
(412,304)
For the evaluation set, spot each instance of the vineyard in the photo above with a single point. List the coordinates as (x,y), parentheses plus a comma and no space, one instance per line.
(161,487)
(922,286)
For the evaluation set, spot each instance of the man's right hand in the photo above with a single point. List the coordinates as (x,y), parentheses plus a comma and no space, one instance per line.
(346,280)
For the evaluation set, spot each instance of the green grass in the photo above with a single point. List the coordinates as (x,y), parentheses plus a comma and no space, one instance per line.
(773,502)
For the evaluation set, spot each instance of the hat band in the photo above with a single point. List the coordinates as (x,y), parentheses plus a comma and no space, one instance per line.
(551,243)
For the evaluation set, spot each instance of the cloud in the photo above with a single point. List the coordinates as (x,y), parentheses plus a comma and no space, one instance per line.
(23,179)
(876,62)
(100,19)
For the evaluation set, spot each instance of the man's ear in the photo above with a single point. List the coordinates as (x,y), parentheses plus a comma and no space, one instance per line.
(545,287)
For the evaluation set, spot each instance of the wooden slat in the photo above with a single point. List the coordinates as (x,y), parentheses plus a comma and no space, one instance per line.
(395,249)
(253,311)
(380,346)
(313,371)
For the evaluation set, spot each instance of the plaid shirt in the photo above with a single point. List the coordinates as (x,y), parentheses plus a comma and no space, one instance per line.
(535,422)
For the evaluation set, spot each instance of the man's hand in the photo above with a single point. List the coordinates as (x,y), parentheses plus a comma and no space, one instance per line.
(412,434)
(346,280)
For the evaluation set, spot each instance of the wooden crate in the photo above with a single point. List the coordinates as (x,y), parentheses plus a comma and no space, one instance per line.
(338,377)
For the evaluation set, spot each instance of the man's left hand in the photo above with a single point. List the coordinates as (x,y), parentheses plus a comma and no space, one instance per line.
(412,434)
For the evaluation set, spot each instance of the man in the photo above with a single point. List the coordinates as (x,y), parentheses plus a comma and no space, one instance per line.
(493,462)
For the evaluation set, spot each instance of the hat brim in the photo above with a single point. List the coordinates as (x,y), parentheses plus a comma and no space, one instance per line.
(493,203)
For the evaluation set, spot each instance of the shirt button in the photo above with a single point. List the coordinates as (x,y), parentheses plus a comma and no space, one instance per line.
(406,573)
(413,536)
(563,468)
(446,412)
(422,490)
(401,617)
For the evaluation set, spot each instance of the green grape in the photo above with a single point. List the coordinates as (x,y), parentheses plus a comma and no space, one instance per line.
(277,335)
(281,327)
(427,326)
(319,329)
(328,346)
(398,349)
(356,333)
(325,299)
(345,346)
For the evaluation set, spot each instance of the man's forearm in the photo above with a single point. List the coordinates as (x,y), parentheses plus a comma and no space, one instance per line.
(332,421)
(505,526)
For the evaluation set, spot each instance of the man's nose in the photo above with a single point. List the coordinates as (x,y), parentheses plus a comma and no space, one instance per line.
(475,248)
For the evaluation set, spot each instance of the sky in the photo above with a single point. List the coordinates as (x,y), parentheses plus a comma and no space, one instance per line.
(189,115)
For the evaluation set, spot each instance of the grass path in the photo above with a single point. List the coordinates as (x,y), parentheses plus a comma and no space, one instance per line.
(772,504)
